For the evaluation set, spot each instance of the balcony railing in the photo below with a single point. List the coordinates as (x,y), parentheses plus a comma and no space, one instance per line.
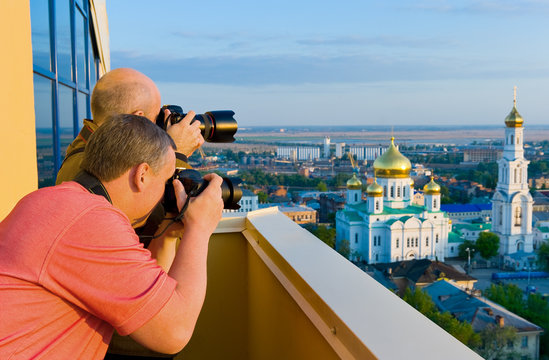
(277,292)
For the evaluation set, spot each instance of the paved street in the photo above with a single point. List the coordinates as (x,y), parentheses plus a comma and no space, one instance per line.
(484,277)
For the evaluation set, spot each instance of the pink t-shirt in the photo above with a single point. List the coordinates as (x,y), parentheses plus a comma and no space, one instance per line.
(71,269)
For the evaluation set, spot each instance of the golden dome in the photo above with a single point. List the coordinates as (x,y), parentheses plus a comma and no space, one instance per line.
(514,119)
(354,184)
(432,188)
(374,189)
(412,182)
(392,164)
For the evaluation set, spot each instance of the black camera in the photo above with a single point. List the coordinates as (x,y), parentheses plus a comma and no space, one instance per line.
(194,184)
(216,126)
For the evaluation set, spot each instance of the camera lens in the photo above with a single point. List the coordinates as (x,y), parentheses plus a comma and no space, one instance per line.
(194,184)
(217,126)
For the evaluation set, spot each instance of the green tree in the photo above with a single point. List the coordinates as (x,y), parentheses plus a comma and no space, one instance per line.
(262,197)
(419,300)
(543,256)
(509,296)
(463,246)
(535,308)
(322,186)
(326,234)
(344,248)
(487,244)
(495,340)
(461,330)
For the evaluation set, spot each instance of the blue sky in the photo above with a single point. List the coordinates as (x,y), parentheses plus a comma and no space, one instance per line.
(341,62)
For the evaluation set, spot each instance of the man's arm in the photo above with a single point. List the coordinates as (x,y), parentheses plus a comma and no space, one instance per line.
(171,328)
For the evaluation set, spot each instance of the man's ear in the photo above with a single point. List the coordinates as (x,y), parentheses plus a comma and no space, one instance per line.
(138,112)
(141,176)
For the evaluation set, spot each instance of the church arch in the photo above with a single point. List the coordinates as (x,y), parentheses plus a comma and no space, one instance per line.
(411,255)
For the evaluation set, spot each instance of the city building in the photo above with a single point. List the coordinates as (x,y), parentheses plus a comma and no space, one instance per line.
(298,152)
(339,150)
(387,227)
(467,305)
(470,231)
(481,154)
(300,214)
(539,183)
(464,212)
(326,152)
(422,272)
(363,152)
(541,201)
(248,202)
(512,203)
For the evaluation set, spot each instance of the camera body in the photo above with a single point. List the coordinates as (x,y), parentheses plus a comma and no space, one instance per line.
(194,184)
(216,126)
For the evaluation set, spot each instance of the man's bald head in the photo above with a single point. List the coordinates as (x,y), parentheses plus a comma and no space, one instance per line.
(124,91)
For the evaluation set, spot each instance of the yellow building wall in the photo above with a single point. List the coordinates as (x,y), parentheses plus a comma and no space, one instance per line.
(18,171)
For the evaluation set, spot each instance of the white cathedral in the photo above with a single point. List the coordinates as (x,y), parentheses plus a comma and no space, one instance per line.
(387,227)
(512,202)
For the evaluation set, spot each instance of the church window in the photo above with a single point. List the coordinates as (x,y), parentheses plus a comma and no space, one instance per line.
(408,242)
(434,203)
(518,216)
(377,257)
(398,191)
(396,258)
(397,243)
(516,179)
(500,215)
(512,140)
(518,140)
(404,191)
(392,191)
(417,242)
(356,197)
(436,238)
(356,238)
(377,204)
(427,241)
(385,189)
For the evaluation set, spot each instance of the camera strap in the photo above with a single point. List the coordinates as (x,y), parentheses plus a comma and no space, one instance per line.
(92,184)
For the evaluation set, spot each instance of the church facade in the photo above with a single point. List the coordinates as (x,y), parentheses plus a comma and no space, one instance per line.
(387,227)
(512,203)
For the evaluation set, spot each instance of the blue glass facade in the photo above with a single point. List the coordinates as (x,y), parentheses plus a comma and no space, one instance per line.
(65,70)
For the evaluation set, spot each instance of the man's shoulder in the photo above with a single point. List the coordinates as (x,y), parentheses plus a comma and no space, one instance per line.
(75,153)
(67,197)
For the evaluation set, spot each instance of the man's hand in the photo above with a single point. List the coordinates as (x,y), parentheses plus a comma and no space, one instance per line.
(187,136)
(205,210)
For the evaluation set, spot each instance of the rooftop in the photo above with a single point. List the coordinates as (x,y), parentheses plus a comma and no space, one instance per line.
(476,310)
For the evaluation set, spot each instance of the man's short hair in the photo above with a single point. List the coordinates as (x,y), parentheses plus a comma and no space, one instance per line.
(123,142)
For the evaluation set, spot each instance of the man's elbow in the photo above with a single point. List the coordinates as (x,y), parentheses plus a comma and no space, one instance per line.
(165,342)
(178,340)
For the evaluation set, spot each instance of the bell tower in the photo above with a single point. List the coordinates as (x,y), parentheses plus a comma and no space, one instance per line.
(512,202)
